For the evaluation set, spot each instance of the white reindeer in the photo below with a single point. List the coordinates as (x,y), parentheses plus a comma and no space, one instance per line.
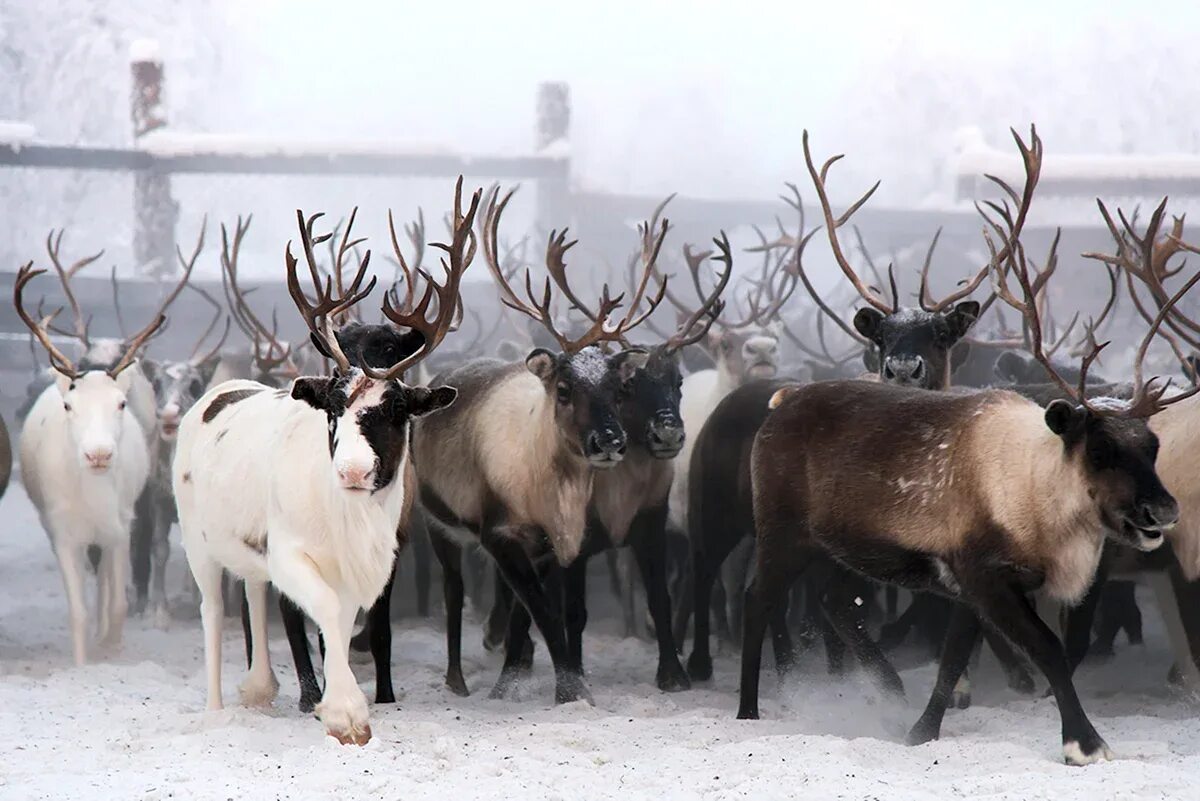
(84,461)
(306,487)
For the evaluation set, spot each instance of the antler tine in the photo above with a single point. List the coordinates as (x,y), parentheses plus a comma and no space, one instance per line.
(697,324)
(416,235)
(1031,158)
(135,345)
(1019,267)
(460,252)
(53,246)
(210,300)
(798,266)
(58,360)
(1148,400)
(190,263)
(556,267)
(923,298)
(832,224)
(651,245)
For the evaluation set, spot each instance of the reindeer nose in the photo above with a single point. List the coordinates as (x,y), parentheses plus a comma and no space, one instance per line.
(1160,516)
(605,446)
(904,371)
(99,458)
(355,476)
(666,435)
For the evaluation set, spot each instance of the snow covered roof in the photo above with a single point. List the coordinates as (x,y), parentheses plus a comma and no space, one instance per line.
(15,134)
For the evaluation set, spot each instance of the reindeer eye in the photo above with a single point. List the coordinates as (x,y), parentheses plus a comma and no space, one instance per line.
(121,406)
(564,394)
(66,406)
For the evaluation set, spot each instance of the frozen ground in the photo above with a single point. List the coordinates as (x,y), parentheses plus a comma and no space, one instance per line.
(133,726)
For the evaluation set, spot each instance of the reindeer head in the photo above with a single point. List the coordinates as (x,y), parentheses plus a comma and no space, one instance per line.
(1108,440)
(367,405)
(914,347)
(586,385)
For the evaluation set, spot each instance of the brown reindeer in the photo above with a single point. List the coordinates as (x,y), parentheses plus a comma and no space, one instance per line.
(514,460)
(981,497)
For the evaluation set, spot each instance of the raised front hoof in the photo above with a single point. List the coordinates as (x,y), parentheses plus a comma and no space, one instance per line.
(960,700)
(493,641)
(355,736)
(346,719)
(361,642)
(671,678)
(569,688)
(699,667)
(1086,751)
(258,693)
(457,684)
(923,732)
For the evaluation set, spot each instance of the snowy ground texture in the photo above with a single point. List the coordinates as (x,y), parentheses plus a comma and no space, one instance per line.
(133,726)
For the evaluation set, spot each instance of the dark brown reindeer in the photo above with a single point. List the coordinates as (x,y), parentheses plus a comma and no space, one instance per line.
(903,346)
(981,497)
(514,462)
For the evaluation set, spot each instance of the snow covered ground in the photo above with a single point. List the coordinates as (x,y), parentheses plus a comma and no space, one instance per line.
(133,726)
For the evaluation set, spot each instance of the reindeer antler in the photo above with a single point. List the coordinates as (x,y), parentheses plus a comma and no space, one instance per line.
(460,252)
(539,310)
(53,248)
(40,330)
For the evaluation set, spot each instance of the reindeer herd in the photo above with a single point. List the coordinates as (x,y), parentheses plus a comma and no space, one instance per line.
(749,497)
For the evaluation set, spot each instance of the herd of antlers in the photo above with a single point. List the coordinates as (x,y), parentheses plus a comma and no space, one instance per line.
(416,300)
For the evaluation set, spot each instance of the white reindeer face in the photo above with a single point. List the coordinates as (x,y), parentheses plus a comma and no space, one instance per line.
(368,424)
(95,409)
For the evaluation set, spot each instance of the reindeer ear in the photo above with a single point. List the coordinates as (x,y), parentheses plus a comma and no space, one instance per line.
(628,362)
(208,368)
(962,318)
(541,363)
(1064,418)
(508,351)
(422,401)
(867,322)
(314,391)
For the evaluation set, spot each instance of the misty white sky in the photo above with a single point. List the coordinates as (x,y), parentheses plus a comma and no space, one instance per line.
(705,99)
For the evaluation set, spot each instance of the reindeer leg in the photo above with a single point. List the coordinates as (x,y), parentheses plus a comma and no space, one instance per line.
(294,625)
(450,555)
(773,576)
(843,605)
(1009,610)
(707,558)
(522,576)
(648,539)
(72,573)
(260,685)
(961,639)
(379,623)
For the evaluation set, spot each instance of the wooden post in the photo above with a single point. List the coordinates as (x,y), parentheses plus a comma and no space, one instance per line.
(553,126)
(154,210)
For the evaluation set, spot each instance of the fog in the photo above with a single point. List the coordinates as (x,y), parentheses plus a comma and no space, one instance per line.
(708,100)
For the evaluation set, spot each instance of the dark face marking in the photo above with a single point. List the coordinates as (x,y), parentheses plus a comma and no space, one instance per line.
(224,400)
(377,346)
(913,346)
(588,389)
(1118,457)
(384,425)
(650,413)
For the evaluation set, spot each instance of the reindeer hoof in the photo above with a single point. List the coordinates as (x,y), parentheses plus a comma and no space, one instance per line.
(922,733)
(570,687)
(960,700)
(699,667)
(672,678)
(353,736)
(1086,753)
(259,693)
(457,684)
